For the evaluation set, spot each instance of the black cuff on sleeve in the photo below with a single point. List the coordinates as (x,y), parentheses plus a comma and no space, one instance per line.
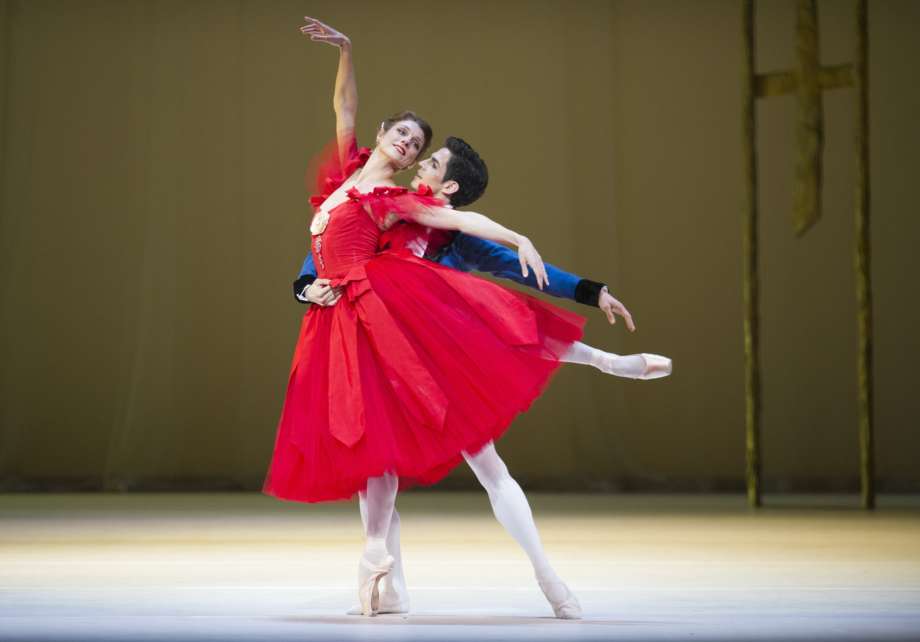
(588,292)
(300,284)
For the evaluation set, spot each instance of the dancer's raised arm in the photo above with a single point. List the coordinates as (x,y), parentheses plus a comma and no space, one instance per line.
(345,98)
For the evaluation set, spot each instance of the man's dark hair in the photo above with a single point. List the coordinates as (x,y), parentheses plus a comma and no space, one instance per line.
(468,169)
(421,122)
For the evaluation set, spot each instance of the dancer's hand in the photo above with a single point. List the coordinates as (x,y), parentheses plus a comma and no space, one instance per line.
(321,32)
(528,256)
(611,306)
(321,293)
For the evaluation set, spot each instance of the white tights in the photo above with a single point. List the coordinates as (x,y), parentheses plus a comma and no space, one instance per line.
(510,506)
(381,526)
(508,503)
(631,365)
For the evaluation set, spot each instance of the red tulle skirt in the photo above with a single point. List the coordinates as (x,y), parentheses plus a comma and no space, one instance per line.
(414,365)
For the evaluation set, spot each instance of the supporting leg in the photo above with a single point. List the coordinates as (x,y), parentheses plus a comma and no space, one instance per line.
(380,501)
(376,562)
(395,582)
(394,597)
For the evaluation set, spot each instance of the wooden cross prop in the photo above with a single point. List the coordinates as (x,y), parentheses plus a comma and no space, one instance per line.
(808,80)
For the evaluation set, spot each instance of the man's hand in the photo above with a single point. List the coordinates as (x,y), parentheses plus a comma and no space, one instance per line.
(320,293)
(528,255)
(320,32)
(611,306)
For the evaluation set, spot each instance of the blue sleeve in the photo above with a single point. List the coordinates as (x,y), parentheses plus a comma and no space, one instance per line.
(469,253)
(306,277)
(308,268)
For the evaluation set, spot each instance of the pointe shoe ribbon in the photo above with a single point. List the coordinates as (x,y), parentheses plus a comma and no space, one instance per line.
(369,576)
(392,600)
(390,603)
(565,604)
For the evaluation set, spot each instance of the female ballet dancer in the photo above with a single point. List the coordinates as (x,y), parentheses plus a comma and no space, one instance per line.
(378,203)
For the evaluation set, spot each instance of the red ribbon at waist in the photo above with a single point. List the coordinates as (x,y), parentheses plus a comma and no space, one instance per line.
(361,317)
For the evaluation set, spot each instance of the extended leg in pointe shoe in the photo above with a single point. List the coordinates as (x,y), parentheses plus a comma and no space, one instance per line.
(636,366)
(631,366)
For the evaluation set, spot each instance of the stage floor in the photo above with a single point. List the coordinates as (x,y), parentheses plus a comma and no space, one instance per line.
(243,566)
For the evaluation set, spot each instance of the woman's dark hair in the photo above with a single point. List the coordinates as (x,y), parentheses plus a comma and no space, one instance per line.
(418,120)
(468,169)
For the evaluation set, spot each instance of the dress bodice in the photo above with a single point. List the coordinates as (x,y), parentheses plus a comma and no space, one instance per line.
(350,238)
(349,234)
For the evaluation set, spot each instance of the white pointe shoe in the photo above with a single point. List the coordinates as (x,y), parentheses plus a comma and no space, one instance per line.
(565,604)
(391,601)
(656,366)
(369,576)
(637,366)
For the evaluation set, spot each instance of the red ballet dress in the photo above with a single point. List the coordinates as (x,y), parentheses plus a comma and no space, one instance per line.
(415,364)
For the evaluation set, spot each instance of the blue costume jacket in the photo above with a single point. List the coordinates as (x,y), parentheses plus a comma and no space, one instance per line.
(470,253)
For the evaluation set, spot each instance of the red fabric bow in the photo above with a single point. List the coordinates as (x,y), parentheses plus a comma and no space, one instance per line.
(402,367)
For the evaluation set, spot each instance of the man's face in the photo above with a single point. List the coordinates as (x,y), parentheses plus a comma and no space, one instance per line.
(431,171)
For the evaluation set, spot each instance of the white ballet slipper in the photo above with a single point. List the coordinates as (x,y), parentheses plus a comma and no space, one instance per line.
(391,601)
(636,366)
(656,366)
(565,604)
(369,575)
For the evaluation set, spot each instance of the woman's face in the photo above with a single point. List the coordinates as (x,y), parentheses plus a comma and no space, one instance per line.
(401,143)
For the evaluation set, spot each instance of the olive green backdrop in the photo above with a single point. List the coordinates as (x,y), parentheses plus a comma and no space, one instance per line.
(153,215)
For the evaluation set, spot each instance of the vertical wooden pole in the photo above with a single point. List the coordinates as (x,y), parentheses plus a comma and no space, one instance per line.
(6,29)
(750,277)
(809,127)
(863,282)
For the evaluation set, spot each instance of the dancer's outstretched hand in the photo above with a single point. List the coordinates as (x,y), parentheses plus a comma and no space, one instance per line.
(528,256)
(321,32)
(611,306)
